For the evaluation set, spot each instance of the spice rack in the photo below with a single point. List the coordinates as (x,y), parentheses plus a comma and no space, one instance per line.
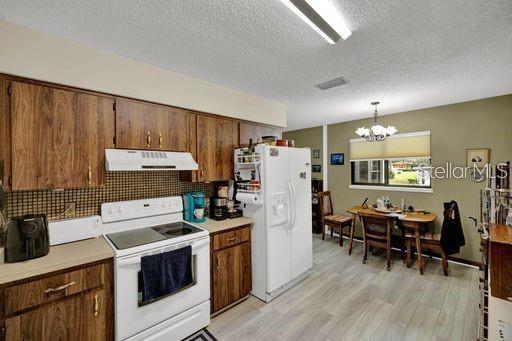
(247,170)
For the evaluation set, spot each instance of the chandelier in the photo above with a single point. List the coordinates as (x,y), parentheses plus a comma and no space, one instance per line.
(376,132)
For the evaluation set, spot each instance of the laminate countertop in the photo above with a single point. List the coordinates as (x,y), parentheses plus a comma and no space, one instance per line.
(60,257)
(216,226)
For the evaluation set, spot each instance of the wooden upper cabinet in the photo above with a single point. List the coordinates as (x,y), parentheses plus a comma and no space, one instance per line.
(58,137)
(131,127)
(141,125)
(216,139)
(255,132)
(172,129)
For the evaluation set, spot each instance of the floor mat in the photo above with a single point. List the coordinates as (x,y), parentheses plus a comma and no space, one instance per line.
(202,335)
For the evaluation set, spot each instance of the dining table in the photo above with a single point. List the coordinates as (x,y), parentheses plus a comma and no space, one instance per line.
(412,220)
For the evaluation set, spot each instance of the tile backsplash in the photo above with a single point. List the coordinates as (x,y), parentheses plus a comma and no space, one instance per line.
(118,186)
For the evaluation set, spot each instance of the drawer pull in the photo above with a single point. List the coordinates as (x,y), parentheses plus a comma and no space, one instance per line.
(232,239)
(62,287)
(96,305)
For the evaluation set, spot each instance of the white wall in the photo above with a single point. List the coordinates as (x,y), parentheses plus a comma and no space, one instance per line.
(33,54)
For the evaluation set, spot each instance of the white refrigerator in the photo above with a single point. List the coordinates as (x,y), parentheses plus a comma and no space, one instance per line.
(281,236)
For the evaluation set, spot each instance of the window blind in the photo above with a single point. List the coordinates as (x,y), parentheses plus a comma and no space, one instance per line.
(397,146)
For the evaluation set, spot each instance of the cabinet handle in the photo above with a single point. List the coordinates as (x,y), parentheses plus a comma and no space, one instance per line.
(148,140)
(201,177)
(96,305)
(62,287)
(89,176)
(232,239)
(218,262)
(160,139)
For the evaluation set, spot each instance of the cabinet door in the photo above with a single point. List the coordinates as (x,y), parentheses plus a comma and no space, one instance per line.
(255,132)
(206,147)
(216,140)
(246,269)
(94,316)
(78,318)
(58,137)
(97,118)
(172,129)
(226,141)
(134,125)
(227,278)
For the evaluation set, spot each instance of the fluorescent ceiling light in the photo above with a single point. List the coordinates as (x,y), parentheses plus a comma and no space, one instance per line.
(322,17)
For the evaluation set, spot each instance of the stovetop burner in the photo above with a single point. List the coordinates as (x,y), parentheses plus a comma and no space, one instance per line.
(145,235)
(176,229)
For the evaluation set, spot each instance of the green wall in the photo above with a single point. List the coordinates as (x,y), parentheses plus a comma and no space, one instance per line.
(485,123)
(312,138)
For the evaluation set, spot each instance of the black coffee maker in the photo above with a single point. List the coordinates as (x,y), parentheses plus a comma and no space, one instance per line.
(218,208)
(27,238)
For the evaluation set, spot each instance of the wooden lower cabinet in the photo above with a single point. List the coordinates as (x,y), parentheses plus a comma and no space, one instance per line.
(500,260)
(69,315)
(231,277)
(79,318)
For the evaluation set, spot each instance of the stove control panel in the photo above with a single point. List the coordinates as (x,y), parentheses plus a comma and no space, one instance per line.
(133,209)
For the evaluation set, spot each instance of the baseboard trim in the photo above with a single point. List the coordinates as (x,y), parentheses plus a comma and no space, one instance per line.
(451,259)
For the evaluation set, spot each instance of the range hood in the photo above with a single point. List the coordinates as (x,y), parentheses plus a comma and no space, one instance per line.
(147,160)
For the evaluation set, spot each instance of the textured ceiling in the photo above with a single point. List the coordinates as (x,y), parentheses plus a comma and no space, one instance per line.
(408,54)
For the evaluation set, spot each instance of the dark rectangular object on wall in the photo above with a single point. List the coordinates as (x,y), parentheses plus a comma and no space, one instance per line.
(337,159)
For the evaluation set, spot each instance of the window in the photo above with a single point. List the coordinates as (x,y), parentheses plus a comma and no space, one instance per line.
(400,161)
(409,172)
(403,172)
(368,172)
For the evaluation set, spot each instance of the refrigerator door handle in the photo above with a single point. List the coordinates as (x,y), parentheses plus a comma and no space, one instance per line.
(294,216)
(290,206)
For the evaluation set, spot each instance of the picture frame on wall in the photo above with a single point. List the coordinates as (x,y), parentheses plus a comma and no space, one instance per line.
(316,153)
(337,159)
(477,157)
(317,168)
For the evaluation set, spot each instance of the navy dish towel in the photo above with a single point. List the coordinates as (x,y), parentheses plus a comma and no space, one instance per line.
(166,273)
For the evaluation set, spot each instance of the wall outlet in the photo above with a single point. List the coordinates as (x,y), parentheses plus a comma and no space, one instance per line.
(70,210)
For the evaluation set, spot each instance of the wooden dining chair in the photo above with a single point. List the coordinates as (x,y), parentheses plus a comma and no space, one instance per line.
(334,221)
(377,233)
(429,241)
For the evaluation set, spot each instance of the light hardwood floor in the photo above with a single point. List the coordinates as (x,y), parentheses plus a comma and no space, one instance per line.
(346,300)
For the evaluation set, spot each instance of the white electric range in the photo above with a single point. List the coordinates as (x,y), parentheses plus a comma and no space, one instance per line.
(139,228)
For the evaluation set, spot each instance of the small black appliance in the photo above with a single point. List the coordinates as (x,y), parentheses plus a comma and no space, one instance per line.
(27,238)
(218,208)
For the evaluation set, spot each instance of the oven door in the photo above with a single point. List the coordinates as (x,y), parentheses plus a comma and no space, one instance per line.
(133,315)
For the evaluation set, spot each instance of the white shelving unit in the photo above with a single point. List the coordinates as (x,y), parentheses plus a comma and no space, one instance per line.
(247,171)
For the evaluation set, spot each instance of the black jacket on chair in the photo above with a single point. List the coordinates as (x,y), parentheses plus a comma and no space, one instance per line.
(452,235)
